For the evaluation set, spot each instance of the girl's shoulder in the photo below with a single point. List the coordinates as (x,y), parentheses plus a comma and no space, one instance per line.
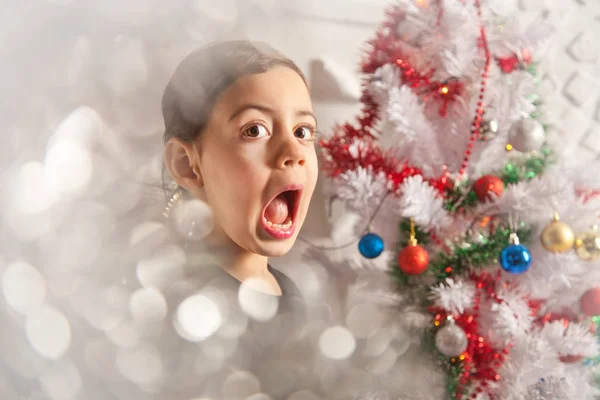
(288,287)
(291,299)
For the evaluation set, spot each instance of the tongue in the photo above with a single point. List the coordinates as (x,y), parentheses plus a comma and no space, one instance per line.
(277,210)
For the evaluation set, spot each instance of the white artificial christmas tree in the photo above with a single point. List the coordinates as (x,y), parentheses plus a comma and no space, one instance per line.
(486,225)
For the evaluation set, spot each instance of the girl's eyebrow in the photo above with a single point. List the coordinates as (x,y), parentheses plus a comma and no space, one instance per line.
(244,107)
(268,110)
(304,113)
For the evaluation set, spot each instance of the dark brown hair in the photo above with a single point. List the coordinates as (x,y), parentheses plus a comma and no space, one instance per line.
(203,75)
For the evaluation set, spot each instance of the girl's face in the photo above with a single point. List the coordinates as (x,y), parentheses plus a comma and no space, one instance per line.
(257,161)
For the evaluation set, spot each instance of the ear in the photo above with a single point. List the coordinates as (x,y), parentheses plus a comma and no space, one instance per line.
(181,159)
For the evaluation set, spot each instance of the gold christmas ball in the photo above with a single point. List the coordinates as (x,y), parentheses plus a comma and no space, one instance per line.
(558,237)
(587,245)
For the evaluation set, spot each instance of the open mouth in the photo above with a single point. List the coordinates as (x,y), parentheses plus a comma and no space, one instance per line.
(279,215)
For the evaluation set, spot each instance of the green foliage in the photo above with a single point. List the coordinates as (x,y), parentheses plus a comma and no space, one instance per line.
(515,172)
(453,370)
(476,252)
(462,197)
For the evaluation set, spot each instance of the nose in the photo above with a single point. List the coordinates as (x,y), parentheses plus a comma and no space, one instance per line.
(290,152)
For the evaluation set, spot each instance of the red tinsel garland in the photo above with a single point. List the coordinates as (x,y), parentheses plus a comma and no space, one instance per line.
(480,361)
(338,159)
(385,49)
(369,116)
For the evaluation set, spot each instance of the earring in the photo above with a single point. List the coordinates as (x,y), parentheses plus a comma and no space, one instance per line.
(191,218)
(175,198)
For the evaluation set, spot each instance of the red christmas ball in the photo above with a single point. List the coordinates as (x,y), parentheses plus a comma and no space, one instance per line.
(508,64)
(488,184)
(590,302)
(413,260)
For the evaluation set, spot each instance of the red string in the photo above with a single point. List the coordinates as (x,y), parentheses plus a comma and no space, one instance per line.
(440,12)
(476,125)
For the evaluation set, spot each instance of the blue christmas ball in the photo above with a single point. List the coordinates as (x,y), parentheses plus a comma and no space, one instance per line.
(370,245)
(515,258)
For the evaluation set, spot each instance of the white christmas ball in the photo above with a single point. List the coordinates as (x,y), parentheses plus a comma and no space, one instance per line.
(526,135)
(451,340)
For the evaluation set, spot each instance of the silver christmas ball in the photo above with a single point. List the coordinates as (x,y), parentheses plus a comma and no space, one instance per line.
(491,126)
(451,340)
(526,135)
(489,129)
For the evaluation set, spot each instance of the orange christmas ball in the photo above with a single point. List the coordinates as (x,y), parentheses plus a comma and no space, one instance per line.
(570,359)
(590,302)
(486,185)
(566,317)
(413,260)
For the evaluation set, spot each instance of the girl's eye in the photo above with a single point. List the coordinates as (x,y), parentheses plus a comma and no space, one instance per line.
(256,131)
(305,132)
